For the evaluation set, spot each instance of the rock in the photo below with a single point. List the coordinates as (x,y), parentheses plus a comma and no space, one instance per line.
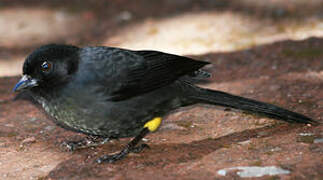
(244,142)
(32,119)
(29,140)
(306,134)
(172,126)
(49,128)
(319,140)
(9,125)
(124,16)
(254,171)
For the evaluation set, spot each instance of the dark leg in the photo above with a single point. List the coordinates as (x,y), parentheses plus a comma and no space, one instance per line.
(131,147)
(90,141)
(140,147)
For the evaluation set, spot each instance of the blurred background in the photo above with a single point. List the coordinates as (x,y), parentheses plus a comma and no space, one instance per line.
(185,27)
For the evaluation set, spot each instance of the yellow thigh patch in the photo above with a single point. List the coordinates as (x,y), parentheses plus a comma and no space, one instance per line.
(153,124)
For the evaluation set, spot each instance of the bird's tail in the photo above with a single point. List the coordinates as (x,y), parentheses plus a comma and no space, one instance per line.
(227,100)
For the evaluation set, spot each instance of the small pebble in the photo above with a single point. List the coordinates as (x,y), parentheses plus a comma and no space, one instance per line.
(29,140)
(254,171)
(276,149)
(124,16)
(244,142)
(306,134)
(320,140)
(32,119)
(49,128)
(172,126)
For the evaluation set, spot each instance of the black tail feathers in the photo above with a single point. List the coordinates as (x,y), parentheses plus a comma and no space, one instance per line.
(227,100)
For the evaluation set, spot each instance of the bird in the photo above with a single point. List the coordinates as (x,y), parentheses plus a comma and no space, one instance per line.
(112,93)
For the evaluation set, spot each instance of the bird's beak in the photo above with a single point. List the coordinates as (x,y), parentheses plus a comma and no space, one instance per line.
(25,82)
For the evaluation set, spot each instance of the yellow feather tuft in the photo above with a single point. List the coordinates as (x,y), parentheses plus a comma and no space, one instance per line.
(153,124)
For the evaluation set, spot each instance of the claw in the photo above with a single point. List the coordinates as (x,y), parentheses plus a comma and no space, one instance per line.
(83,143)
(109,158)
(131,147)
(70,145)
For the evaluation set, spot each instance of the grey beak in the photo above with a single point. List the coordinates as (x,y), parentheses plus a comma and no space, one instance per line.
(24,83)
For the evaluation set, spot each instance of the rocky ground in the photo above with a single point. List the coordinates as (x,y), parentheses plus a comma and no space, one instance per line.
(261,51)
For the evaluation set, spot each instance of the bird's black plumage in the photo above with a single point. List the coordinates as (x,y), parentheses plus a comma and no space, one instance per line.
(112,92)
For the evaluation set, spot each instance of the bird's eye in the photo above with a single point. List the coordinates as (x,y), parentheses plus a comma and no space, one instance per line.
(46,66)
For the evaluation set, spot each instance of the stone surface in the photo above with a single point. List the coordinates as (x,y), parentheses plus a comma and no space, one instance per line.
(247,42)
(218,140)
(254,171)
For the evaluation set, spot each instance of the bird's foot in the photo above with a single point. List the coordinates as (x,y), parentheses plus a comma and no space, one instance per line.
(90,141)
(118,156)
(111,158)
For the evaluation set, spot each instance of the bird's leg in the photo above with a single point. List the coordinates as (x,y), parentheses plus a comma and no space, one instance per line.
(150,126)
(89,141)
(140,147)
(131,147)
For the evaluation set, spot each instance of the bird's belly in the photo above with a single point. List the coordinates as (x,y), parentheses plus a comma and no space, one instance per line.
(93,121)
(91,115)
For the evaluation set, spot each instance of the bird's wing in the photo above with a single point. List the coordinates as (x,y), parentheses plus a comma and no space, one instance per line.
(138,72)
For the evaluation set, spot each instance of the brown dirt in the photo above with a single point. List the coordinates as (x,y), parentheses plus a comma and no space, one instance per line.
(196,142)
(253,51)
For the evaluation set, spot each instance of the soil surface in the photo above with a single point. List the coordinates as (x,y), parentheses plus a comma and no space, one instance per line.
(192,143)
(262,51)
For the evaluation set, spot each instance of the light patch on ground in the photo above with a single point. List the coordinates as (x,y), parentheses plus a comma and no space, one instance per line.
(23,27)
(197,33)
(211,32)
(254,171)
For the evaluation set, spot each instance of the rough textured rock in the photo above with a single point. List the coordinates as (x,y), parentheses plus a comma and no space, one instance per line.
(205,139)
(193,143)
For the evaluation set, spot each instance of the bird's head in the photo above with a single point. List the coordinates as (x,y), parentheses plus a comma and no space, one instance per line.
(48,66)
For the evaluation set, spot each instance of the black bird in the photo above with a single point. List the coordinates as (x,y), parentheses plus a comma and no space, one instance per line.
(114,93)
